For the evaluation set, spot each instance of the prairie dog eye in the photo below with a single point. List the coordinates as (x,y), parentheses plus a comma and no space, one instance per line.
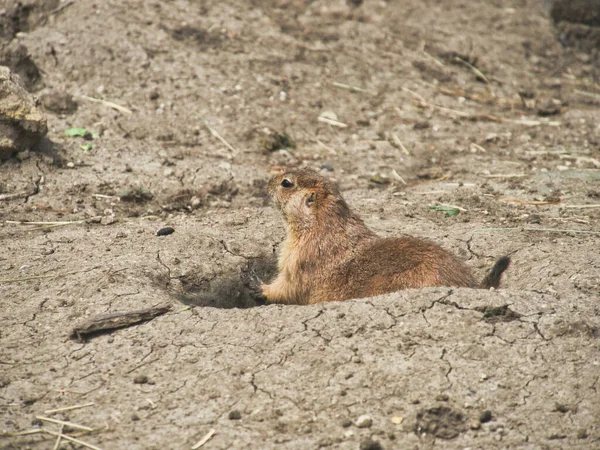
(287,183)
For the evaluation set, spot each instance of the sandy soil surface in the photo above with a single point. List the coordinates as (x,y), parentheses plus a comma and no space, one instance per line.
(472,104)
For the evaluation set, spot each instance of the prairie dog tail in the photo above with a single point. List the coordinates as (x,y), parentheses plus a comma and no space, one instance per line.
(492,279)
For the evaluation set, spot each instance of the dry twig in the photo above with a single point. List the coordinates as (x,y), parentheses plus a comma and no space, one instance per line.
(105,322)
(107,103)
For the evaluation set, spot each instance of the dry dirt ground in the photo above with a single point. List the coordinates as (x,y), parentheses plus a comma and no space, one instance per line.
(496,117)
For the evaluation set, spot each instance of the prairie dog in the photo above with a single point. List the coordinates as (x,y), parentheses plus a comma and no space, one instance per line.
(330,255)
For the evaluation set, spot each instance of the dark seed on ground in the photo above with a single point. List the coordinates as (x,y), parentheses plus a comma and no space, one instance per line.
(485,416)
(235,415)
(165,231)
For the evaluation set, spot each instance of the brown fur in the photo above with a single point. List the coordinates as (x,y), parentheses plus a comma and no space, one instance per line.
(330,255)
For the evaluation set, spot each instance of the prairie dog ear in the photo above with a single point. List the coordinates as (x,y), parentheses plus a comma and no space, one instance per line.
(311,199)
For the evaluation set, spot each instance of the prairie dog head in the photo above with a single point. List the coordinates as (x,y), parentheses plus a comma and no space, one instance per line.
(303,196)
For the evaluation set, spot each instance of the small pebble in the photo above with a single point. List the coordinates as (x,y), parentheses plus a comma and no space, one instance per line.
(364,421)
(346,423)
(235,415)
(397,420)
(165,231)
(370,444)
(140,379)
(475,425)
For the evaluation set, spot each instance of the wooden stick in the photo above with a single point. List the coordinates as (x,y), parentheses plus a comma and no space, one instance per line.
(72,439)
(64,423)
(105,322)
(204,440)
(68,408)
(109,104)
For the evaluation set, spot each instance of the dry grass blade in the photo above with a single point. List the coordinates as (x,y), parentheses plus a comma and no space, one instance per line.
(529,202)
(477,147)
(489,117)
(480,98)
(435,60)
(46,225)
(216,134)
(23,433)
(72,439)
(115,197)
(397,177)
(396,142)
(64,423)
(478,73)
(542,230)
(109,104)
(67,222)
(588,94)
(69,408)
(329,149)
(350,88)
(447,205)
(332,122)
(19,280)
(506,175)
(58,438)
(581,206)
(204,440)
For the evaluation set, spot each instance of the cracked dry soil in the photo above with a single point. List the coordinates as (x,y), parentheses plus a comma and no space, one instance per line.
(513,368)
